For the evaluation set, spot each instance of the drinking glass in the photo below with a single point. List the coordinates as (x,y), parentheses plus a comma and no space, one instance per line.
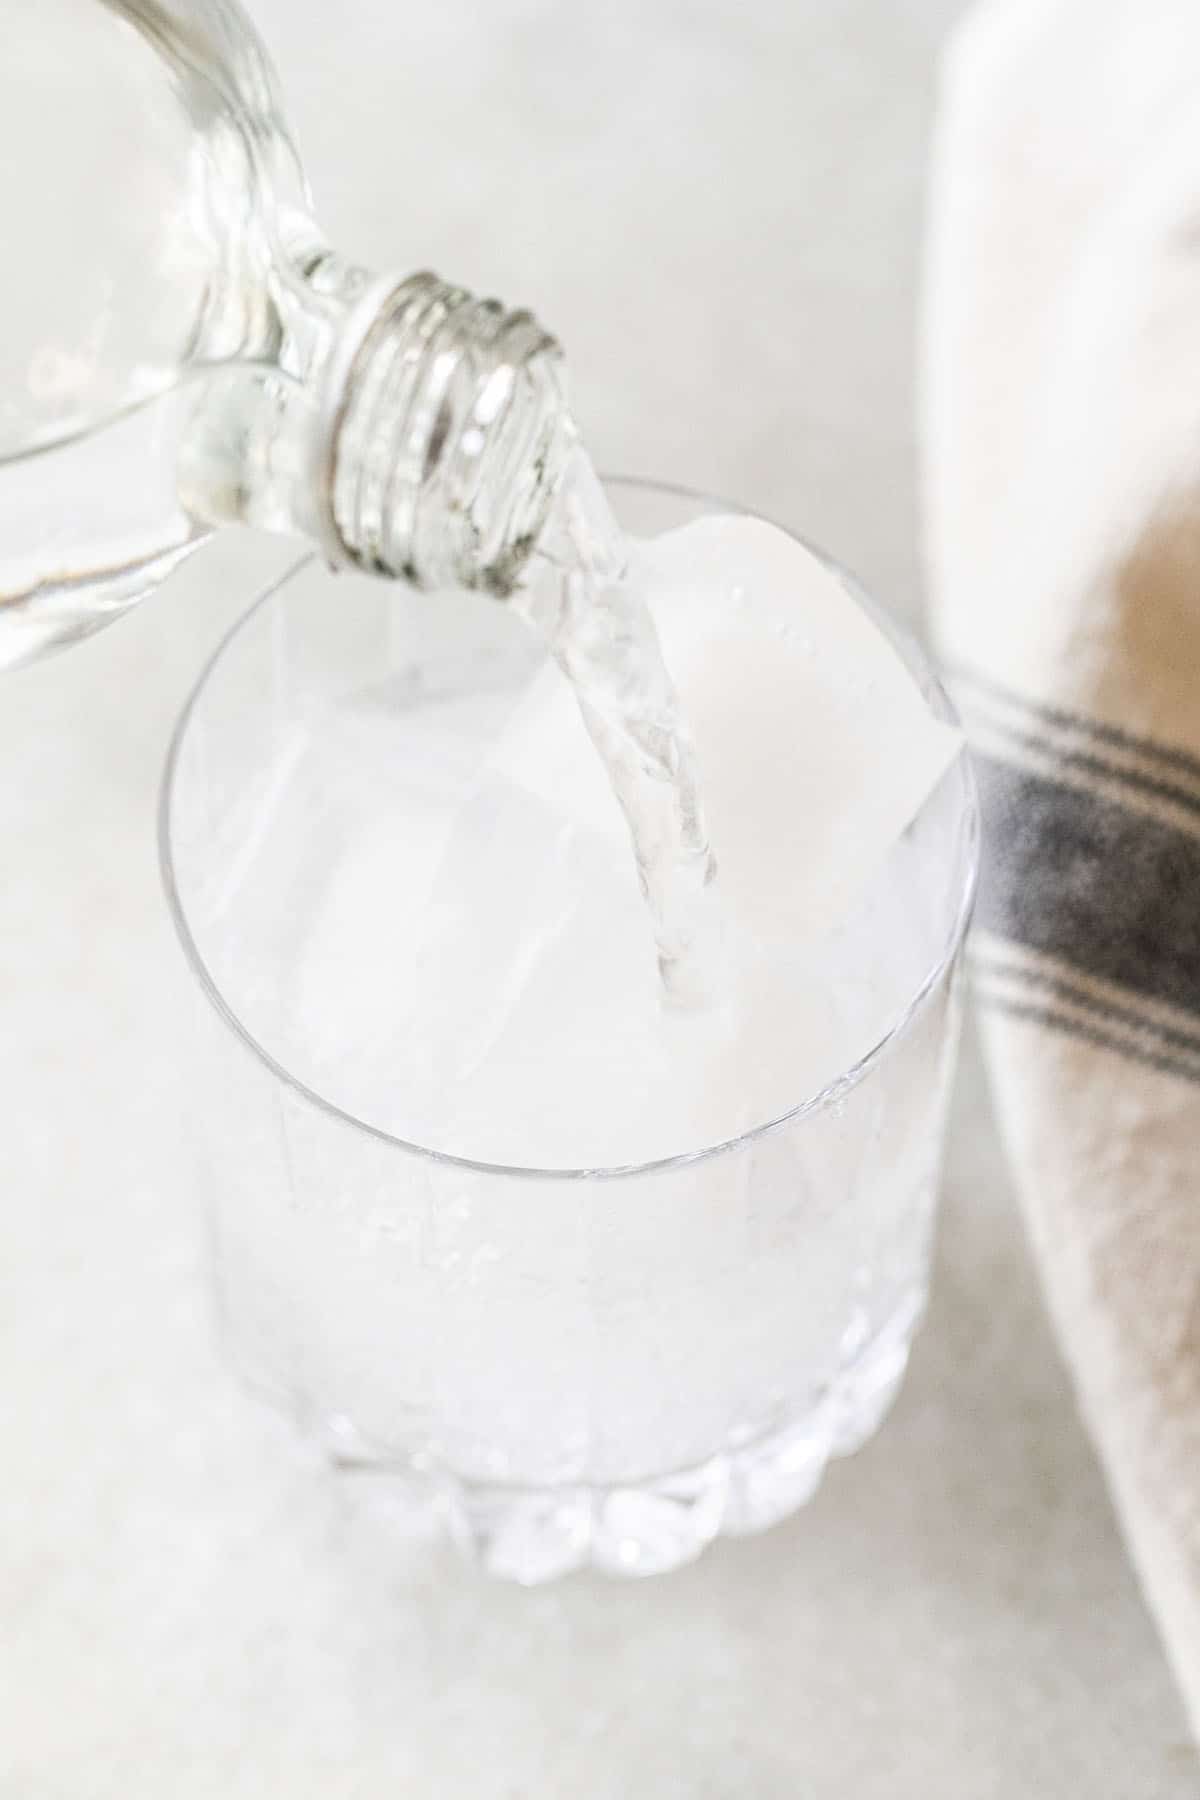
(573,1366)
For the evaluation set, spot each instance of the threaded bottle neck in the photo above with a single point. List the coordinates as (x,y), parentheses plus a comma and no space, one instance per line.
(445,432)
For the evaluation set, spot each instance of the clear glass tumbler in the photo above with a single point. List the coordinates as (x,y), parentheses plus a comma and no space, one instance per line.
(601,1366)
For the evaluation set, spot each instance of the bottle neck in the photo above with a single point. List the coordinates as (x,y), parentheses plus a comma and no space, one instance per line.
(408,428)
(442,435)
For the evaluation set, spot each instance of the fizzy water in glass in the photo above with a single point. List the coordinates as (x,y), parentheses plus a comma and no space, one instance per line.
(578,1359)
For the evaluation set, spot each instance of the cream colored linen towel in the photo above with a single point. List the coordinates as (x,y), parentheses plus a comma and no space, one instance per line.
(1061,424)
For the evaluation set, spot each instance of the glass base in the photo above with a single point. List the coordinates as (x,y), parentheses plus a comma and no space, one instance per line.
(533,1535)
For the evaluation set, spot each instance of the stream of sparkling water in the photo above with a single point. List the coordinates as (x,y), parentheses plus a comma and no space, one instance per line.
(588,599)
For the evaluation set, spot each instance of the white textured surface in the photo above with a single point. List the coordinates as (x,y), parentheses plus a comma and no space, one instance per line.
(723,230)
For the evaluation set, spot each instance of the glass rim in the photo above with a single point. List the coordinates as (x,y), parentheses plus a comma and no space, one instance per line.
(918,665)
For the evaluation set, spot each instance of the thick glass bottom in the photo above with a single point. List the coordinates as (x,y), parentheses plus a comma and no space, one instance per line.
(533,1535)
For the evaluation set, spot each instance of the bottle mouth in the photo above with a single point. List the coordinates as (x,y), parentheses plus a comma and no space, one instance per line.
(445,432)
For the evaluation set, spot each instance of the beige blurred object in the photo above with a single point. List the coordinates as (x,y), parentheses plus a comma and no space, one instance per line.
(1062,435)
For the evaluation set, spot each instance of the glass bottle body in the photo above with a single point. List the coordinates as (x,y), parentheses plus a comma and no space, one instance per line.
(182,350)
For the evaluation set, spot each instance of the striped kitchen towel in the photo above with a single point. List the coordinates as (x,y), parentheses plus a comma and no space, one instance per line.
(1061,434)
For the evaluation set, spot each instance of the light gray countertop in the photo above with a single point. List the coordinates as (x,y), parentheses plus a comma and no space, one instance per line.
(717,206)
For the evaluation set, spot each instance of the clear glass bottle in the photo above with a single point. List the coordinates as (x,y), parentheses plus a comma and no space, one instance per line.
(181,350)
